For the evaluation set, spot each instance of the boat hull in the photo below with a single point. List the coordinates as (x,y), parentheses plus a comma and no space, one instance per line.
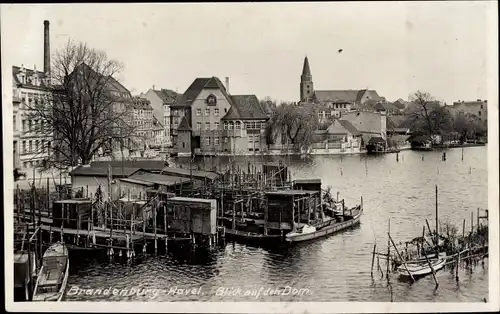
(251,237)
(56,250)
(326,231)
(421,268)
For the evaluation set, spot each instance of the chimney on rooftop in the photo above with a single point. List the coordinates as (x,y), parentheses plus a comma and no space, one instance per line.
(227,84)
(46,47)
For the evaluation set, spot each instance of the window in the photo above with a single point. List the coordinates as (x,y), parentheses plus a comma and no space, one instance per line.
(237,125)
(37,145)
(225,125)
(479,112)
(24,148)
(216,111)
(207,112)
(207,141)
(216,125)
(25,164)
(183,145)
(23,122)
(225,139)
(308,87)
(262,125)
(29,125)
(231,125)
(216,141)
(225,109)
(481,106)
(30,144)
(207,125)
(345,106)
(198,125)
(198,112)
(250,138)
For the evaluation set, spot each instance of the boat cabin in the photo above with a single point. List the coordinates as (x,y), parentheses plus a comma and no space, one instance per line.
(73,213)
(307,184)
(285,209)
(190,215)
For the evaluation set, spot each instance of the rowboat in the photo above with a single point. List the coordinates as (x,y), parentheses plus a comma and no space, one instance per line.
(325,228)
(419,268)
(53,275)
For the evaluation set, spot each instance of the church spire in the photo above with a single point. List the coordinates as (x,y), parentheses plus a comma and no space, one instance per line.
(306,71)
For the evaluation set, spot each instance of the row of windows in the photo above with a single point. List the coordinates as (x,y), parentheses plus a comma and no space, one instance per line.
(252,139)
(30,164)
(207,112)
(29,125)
(34,146)
(231,125)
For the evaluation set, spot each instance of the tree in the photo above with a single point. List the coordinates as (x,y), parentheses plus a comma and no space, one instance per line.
(427,115)
(87,110)
(295,123)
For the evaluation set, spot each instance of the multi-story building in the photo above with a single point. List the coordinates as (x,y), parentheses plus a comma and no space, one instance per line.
(478,108)
(216,120)
(161,100)
(143,122)
(30,86)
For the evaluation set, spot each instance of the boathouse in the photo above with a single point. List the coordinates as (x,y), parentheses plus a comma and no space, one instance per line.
(73,213)
(192,215)
(307,184)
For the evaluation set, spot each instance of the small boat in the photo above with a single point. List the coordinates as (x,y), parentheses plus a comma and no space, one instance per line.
(420,267)
(325,228)
(53,275)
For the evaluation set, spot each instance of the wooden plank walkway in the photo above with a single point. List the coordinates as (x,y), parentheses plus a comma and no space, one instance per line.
(118,234)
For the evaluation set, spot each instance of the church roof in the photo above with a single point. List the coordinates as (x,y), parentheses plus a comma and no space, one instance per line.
(306,71)
(184,125)
(347,95)
(245,107)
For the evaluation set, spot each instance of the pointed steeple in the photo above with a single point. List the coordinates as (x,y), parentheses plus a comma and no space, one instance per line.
(306,71)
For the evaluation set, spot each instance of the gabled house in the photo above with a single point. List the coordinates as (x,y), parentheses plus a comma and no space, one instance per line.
(161,101)
(244,125)
(340,135)
(369,124)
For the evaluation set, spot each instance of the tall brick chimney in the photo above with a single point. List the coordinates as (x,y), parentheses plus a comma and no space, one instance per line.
(227,84)
(46,47)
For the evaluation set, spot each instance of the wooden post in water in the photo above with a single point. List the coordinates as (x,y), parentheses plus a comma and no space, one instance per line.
(234,215)
(154,227)
(388,251)
(373,258)
(165,226)
(399,255)
(432,269)
(456,266)
(462,154)
(437,219)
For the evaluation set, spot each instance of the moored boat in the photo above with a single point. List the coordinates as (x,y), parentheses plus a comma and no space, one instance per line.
(325,228)
(53,275)
(421,267)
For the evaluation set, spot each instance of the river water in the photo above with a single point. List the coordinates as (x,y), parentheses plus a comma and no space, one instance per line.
(332,269)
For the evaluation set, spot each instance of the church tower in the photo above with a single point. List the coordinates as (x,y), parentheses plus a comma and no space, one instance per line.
(306,83)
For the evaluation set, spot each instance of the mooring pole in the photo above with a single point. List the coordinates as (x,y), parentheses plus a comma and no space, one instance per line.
(388,250)
(432,269)
(437,219)
(373,258)
(399,255)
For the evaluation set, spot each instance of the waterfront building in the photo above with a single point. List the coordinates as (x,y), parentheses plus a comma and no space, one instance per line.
(478,108)
(338,100)
(161,101)
(369,124)
(340,136)
(206,119)
(30,86)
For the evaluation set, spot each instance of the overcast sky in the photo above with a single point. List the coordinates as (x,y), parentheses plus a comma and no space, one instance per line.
(394,48)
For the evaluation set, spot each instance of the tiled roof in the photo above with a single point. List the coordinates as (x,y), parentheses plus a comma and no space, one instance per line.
(186,173)
(141,103)
(385,106)
(376,139)
(245,107)
(160,179)
(336,95)
(184,125)
(349,127)
(400,104)
(102,171)
(365,122)
(29,73)
(196,87)
(166,95)
(148,165)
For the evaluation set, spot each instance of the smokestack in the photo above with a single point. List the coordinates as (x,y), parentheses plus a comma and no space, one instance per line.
(227,84)
(46,47)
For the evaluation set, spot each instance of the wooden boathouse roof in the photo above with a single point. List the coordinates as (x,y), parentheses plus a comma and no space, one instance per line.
(291,193)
